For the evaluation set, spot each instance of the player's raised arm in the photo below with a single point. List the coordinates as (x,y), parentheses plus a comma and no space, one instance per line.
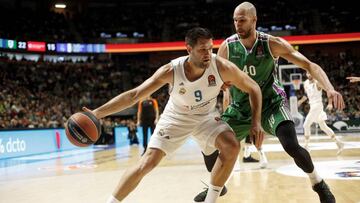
(230,73)
(282,48)
(162,76)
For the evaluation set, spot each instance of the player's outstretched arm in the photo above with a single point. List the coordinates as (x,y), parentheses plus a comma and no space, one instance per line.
(281,48)
(162,76)
(353,79)
(230,73)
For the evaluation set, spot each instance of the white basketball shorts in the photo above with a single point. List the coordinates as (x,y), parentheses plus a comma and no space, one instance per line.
(172,130)
(316,113)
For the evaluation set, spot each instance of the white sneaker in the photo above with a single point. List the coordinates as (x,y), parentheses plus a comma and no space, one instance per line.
(263,159)
(340,146)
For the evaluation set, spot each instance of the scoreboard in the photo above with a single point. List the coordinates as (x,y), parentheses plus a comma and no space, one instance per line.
(61,48)
(37,46)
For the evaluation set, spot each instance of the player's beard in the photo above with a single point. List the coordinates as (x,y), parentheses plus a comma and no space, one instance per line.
(203,65)
(244,34)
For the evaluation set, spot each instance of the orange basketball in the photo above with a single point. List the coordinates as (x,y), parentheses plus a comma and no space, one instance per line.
(82,129)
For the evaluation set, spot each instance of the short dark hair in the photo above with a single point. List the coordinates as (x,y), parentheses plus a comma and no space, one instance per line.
(196,33)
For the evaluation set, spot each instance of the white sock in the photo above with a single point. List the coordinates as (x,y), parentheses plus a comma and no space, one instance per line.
(213,193)
(314,177)
(112,199)
(247,152)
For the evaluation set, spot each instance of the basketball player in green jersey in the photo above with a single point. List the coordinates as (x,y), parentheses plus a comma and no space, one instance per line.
(256,54)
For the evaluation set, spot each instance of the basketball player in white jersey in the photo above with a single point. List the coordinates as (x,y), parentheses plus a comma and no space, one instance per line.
(195,81)
(316,114)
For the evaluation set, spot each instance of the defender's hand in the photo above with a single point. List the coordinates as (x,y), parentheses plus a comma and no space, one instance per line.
(353,79)
(257,135)
(337,98)
(329,107)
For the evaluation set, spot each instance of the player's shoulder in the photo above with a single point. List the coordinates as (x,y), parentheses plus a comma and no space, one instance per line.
(224,66)
(274,40)
(178,61)
(232,38)
(165,73)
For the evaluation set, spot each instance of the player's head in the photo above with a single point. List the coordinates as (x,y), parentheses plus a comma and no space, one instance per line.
(245,19)
(309,76)
(199,45)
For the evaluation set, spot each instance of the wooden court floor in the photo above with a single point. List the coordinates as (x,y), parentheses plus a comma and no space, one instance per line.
(90,175)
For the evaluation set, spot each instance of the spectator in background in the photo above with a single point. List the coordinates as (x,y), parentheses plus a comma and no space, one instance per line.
(132,135)
(147,117)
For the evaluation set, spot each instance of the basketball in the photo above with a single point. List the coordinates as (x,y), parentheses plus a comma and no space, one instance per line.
(82,129)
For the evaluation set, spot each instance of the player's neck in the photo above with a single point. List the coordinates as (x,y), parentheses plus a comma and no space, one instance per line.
(250,41)
(192,72)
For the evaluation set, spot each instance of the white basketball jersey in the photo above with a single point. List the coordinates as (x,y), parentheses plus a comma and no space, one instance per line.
(196,97)
(314,95)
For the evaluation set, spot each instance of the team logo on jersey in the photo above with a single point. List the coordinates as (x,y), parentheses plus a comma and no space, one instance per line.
(161,132)
(181,84)
(260,51)
(211,80)
(182,91)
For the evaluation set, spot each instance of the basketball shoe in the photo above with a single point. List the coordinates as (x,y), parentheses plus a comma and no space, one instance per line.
(202,195)
(324,192)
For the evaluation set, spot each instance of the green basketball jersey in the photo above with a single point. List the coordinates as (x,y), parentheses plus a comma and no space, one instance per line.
(261,66)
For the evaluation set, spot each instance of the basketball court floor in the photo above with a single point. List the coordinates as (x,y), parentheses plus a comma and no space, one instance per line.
(90,175)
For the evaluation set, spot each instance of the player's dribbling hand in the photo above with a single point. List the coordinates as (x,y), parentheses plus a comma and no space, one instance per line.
(257,135)
(337,99)
(90,111)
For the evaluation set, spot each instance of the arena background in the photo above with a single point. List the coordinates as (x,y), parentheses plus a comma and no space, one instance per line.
(54,61)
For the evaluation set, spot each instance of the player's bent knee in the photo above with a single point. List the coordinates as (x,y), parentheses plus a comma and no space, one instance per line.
(228,145)
(150,161)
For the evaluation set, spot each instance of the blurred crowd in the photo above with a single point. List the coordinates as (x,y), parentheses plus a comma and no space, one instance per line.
(166,20)
(44,94)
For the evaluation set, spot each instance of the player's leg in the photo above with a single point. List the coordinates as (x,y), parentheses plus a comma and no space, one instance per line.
(307,127)
(167,137)
(228,148)
(241,129)
(331,133)
(287,137)
(134,175)
(215,134)
(283,127)
(209,163)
